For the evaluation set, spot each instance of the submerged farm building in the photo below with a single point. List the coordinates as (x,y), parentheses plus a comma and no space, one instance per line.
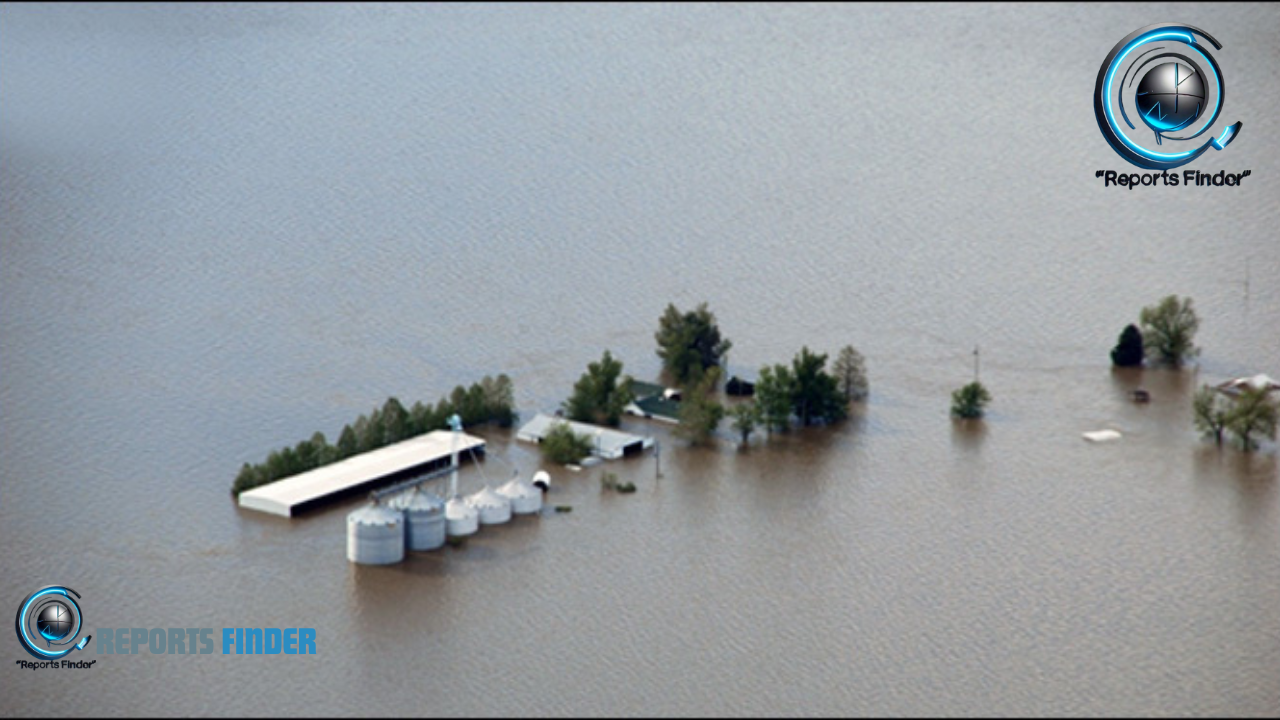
(654,401)
(399,461)
(605,442)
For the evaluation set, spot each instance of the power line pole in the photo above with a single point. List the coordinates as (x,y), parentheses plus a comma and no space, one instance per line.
(975,363)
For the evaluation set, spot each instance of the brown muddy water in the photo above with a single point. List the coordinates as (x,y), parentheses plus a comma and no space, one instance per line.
(226,227)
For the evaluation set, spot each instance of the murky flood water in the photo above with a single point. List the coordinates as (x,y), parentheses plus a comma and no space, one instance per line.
(225,227)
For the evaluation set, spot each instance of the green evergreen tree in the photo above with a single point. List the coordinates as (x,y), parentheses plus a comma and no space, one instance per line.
(348,443)
(689,343)
(1128,351)
(395,422)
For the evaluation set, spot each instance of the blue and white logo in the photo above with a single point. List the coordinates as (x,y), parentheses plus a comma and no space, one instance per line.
(49,621)
(1174,86)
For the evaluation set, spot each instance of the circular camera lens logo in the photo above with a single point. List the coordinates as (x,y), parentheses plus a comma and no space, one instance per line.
(49,621)
(1172,84)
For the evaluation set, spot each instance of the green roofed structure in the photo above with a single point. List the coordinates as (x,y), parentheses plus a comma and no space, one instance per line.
(654,401)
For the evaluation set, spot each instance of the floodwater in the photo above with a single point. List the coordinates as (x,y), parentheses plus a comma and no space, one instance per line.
(226,227)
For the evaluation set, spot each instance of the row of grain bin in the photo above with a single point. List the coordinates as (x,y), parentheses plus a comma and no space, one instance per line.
(381,533)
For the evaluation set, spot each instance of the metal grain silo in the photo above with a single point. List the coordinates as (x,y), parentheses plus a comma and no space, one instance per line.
(375,535)
(524,497)
(424,519)
(494,509)
(460,518)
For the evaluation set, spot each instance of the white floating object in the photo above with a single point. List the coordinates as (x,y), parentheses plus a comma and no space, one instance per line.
(1102,436)
(542,480)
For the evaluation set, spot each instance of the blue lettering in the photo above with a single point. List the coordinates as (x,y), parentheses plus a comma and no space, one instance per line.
(122,640)
(226,641)
(271,641)
(105,638)
(306,641)
(157,649)
(206,642)
(138,639)
(239,641)
(253,641)
(176,636)
(291,641)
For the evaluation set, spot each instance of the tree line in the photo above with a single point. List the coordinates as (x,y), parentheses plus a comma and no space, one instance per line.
(490,400)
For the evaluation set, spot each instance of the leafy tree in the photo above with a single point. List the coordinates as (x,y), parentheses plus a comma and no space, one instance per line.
(1212,411)
(598,396)
(1128,350)
(1254,413)
(689,343)
(745,416)
(815,395)
(774,391)
(1168,329)
(563,446)
(700,414)
(970,401)
(850,371)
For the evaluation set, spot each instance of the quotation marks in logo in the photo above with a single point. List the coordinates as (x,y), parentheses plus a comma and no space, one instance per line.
(49,621)
(1173,84)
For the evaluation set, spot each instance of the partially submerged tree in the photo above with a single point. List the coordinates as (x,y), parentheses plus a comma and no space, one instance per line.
(1212,411)
(815,395)
(700,413)
(1168,329)
(563,446)
(689,343)
(1254,414)
(970,401)
(774,390)
(745,416)
(850,372)
(1128,351)
(600,394)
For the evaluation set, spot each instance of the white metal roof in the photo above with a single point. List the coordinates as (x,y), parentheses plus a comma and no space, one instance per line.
(282,496)
(605,442)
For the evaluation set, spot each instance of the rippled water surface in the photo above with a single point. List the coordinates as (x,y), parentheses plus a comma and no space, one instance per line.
(225,227)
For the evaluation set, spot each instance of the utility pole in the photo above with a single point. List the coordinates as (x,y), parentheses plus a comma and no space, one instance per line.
(975,363)
(657,459)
